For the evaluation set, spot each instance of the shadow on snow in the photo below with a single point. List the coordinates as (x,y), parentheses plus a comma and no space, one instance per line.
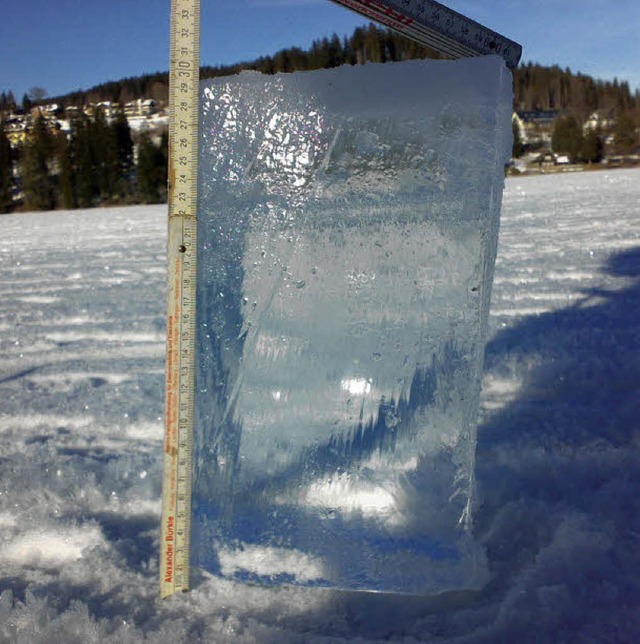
(557,469)
(558,475)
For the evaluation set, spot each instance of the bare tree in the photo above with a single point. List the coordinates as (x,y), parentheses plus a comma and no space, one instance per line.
(36,94)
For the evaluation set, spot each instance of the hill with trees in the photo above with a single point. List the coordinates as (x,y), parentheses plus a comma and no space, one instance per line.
(536,87)
(93,163)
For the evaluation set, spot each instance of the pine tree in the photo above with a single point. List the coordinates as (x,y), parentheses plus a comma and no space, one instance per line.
(123,142)
(6,200)
(7,102)
(567,137)
(372,49)
(592,147)
(625,136)
(348,51)
(335,53)
(151,170)
(104,156)
(163,160)
(84,162)
(37,180)
(27,103)
(66,178)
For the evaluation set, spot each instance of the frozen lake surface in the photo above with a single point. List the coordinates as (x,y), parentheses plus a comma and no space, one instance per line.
(557,468)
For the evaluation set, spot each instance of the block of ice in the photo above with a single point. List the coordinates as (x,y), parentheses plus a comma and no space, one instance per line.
(347,237)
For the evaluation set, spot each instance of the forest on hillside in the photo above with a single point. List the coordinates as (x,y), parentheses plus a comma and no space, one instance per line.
(536,87)
(96,164)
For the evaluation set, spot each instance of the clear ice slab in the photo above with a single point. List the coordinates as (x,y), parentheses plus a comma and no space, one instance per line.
(348,224)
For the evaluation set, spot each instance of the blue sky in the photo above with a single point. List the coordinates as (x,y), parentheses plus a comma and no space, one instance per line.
(63,45)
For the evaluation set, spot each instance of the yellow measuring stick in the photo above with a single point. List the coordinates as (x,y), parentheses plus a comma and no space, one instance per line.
(184,72)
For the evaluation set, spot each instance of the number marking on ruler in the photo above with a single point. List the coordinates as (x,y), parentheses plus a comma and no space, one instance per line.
(432,24)
(184,75)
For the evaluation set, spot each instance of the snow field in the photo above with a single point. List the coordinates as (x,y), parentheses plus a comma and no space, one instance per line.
(82,305)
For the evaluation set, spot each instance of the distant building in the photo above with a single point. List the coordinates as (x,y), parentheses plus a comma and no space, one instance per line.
(142,114)
(15,127)
(599,120)
(108,109)
(519,123)
(548,159)
(52,110)
(545,159)
(148,107)
(537,126)
(140,107)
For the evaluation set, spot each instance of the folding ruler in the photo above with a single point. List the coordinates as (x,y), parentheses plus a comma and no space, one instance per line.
(184,75)
(432,24)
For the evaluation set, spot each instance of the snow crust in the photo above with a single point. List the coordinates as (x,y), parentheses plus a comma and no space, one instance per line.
(557,465)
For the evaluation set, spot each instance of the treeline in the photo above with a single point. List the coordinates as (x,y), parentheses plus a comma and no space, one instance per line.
(370,43)
(535,86)
(568,137)
(6,173)
(94,164)
(552,88)
(155,86)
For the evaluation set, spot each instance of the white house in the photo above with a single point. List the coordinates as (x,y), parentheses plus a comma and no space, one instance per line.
(598,120)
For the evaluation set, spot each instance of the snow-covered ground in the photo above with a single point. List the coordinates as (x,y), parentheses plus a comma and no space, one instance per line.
(558,468)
